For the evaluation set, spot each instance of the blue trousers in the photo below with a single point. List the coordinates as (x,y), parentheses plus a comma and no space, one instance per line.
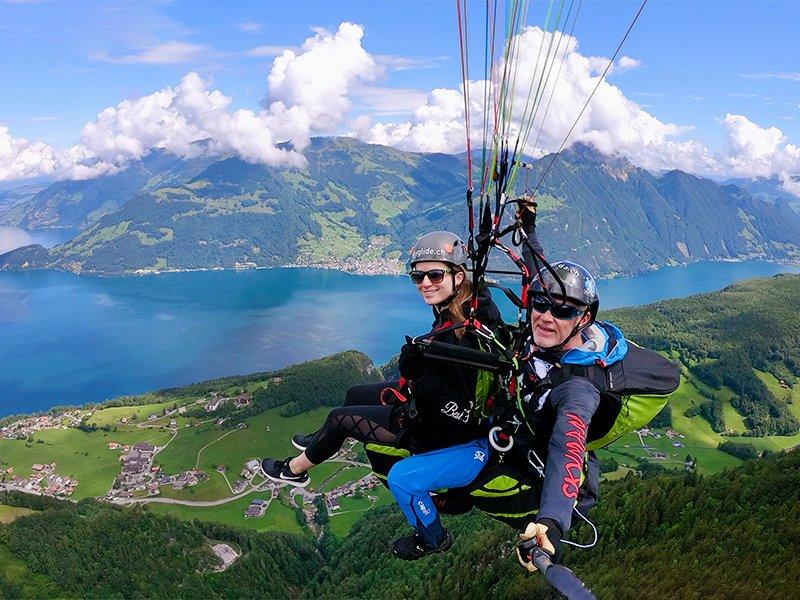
(414,478)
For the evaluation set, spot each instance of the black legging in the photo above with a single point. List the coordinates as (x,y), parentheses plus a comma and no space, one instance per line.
(362,418)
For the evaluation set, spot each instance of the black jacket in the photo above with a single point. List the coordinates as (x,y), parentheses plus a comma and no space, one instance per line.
(445,393)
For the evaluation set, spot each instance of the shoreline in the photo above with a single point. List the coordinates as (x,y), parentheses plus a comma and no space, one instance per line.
(381,267)
(24,411)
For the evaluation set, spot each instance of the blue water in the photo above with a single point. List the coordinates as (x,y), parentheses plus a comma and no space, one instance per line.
(66,339)
(14,237)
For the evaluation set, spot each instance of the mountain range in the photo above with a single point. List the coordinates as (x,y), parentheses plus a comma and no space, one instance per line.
(359,207)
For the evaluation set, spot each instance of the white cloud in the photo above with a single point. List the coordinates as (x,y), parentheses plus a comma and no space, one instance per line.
(626,63)
(790,183)
(265,51)
(437,126)
(389,101)
(168,53)
(408,63)
(249,27)
(748,96)
(755,151)
(795,76)
(612,122)
(309,88)
(314,88)
(174,119)
(22,159)
(309,94)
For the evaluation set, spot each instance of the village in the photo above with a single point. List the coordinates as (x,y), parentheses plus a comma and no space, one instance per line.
(138,477)
(26,427)
(42,480)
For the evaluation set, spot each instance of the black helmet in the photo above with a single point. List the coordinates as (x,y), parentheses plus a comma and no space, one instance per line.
(579,285)
(443,246)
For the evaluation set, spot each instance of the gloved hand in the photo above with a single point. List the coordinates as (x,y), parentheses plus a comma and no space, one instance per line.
(548,537)
(526,211)
(412,362)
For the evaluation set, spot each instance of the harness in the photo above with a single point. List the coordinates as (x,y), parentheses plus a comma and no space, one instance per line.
(632,390)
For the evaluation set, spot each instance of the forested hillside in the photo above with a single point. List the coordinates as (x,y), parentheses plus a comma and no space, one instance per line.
(79,204)
(731,535)
(722,337)
(93,550)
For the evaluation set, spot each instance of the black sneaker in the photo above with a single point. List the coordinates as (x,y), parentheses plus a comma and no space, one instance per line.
(301,441)
(278,470)
(413,547)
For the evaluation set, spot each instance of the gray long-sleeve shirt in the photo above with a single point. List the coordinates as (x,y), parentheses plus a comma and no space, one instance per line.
(573,403)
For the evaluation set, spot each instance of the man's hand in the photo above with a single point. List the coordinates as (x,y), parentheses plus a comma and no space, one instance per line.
(547,537)
(526,210)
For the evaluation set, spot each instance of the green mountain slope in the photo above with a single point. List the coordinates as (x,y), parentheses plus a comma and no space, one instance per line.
(734,342)
(352,204)
(360,206)
(78,204)
(14,198)
(616,218)
(95,550)
(769,189)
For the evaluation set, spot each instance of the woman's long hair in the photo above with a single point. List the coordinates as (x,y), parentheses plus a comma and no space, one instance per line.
(456,305)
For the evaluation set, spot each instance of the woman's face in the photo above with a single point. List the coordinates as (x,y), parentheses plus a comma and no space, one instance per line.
(549,331)
(436,293)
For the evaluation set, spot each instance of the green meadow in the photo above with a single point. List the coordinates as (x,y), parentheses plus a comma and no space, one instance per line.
(278,517)
(82,456)
(15,571)
(11,513)
(700,440)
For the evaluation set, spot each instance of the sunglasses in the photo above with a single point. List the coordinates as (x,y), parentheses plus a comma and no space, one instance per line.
(563,312)
(434,275)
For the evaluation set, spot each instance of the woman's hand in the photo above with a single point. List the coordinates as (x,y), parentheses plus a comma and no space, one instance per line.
(412,362)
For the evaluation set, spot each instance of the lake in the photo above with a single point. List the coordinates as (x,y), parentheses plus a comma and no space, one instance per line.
(66,339)
(14,237)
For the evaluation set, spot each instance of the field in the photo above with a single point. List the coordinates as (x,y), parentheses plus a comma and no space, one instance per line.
(267,434)
(11,513)
(83,456)
(197,443)
(277,518)
(700,440)
(139,414)
(14,570)
(354,508)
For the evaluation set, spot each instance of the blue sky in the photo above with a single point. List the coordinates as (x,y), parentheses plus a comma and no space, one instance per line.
(63,62)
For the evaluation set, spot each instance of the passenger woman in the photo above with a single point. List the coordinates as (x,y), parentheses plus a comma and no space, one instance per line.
(442,395)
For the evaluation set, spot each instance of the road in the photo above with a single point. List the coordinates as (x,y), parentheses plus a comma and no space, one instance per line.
(267,485)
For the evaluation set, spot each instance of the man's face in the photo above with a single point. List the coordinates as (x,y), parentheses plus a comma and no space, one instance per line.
(549,331)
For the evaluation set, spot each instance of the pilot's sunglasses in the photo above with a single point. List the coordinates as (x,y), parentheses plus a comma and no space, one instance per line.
(434,275)
(564,312)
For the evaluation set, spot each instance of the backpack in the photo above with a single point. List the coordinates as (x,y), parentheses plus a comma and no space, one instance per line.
(632,391)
